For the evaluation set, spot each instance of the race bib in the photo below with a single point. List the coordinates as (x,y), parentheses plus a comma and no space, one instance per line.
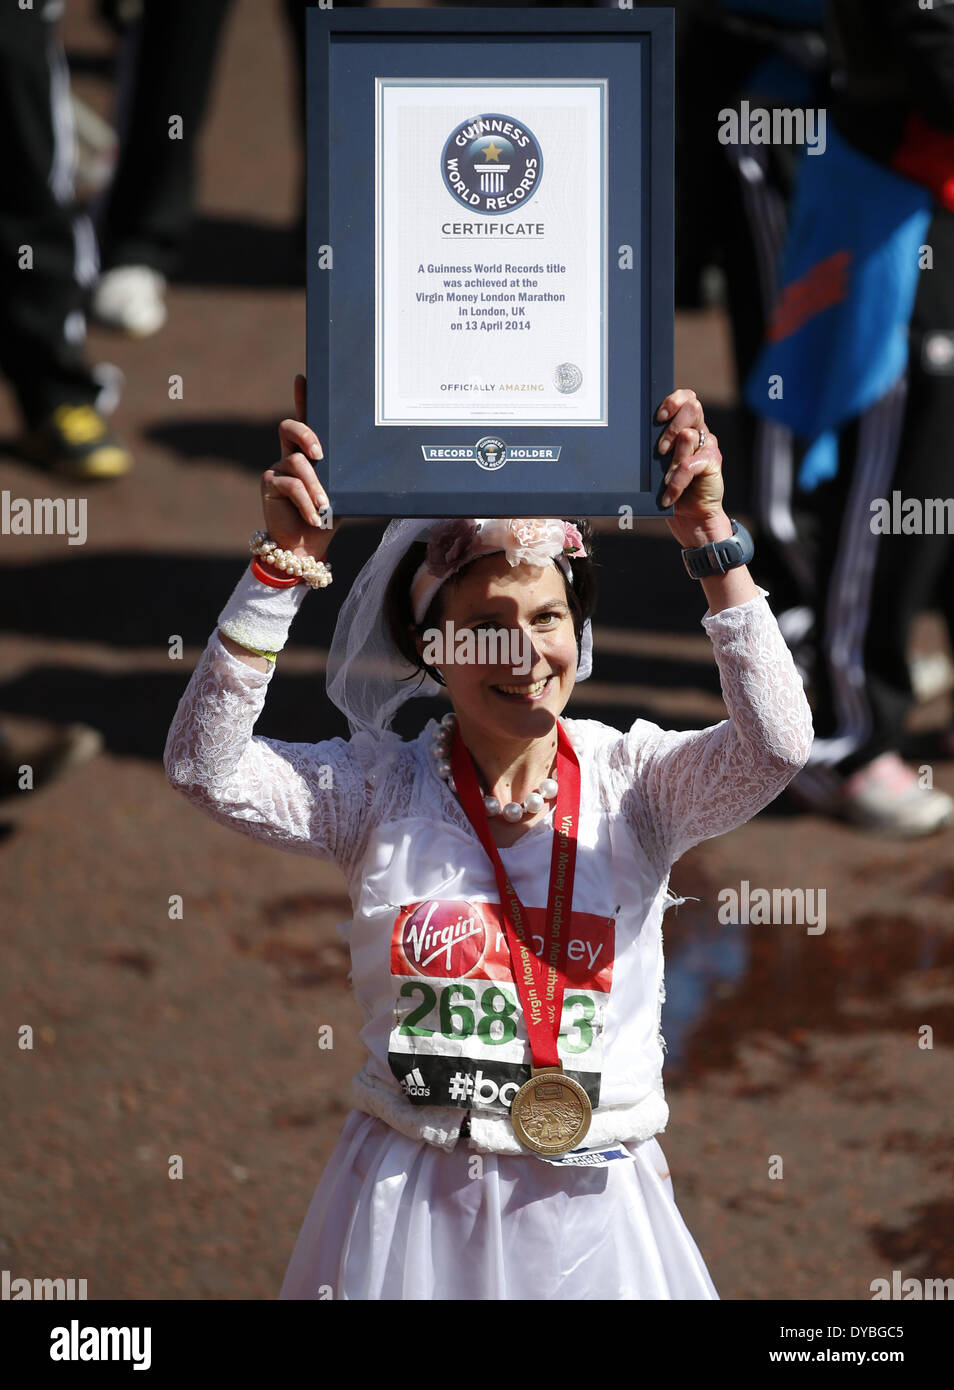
(458,1035)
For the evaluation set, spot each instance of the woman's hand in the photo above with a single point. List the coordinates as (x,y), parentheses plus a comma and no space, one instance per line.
(693,484)
(292,494)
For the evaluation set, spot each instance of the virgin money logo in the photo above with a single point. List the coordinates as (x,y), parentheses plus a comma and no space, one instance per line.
(446,939)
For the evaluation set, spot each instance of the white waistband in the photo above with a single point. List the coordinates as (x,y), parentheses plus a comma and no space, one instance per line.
(489,1133)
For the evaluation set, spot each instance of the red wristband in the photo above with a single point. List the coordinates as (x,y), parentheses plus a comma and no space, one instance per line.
(274,578)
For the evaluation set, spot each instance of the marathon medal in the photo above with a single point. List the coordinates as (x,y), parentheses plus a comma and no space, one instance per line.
(551,1112)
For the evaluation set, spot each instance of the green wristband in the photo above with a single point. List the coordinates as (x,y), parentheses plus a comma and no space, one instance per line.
(269,656)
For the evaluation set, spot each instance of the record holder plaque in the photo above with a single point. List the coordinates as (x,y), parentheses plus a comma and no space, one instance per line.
(490,258)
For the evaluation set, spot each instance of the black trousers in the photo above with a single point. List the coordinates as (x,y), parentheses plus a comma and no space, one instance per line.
(47,253)
(912,572)
(50,252)
(167,65)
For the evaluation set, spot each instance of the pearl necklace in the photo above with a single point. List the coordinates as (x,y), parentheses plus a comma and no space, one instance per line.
(514,810)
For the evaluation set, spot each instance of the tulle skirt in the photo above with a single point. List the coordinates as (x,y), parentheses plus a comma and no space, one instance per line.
(395,1218)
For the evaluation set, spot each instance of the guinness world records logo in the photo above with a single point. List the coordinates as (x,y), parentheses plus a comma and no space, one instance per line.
(491,163)
(491,453)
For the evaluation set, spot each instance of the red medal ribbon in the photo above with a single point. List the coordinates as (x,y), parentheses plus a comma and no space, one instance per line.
(540,983)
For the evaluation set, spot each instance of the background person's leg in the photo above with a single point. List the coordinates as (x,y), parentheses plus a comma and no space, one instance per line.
(47,258)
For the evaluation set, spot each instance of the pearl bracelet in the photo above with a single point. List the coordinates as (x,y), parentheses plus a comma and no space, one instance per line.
(316,574)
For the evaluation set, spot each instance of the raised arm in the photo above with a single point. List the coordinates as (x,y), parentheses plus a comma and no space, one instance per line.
(310,798)
(688,786)
(683,787)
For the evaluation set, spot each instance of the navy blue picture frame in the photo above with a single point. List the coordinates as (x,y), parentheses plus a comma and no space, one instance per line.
(378,470)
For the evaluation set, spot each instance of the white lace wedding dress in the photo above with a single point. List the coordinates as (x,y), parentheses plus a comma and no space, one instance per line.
(409,1207)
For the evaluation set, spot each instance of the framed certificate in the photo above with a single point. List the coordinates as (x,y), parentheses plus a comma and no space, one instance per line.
(490,258)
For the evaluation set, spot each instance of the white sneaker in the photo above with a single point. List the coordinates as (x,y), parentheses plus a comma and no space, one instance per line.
(131,298)
(931,675)
(888,796)
(885,795)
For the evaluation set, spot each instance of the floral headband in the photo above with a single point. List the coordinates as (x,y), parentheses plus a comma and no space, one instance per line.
(524,540)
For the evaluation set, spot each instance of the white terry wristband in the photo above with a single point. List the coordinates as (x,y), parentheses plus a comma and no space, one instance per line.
(258,615)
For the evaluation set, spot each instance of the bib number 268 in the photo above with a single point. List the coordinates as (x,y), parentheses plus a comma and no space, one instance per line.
(489,1011)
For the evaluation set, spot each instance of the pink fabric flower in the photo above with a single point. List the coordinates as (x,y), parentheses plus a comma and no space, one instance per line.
(573,541)
(528,531)
(532,541)
(450,545)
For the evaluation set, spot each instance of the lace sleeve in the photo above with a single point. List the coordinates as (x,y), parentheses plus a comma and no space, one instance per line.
(683,787)
(310,798)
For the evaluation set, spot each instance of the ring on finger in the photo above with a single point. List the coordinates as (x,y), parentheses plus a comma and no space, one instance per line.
(703,436)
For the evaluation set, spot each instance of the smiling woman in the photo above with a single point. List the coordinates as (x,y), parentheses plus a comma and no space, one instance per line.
(485,579)
(508,871)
